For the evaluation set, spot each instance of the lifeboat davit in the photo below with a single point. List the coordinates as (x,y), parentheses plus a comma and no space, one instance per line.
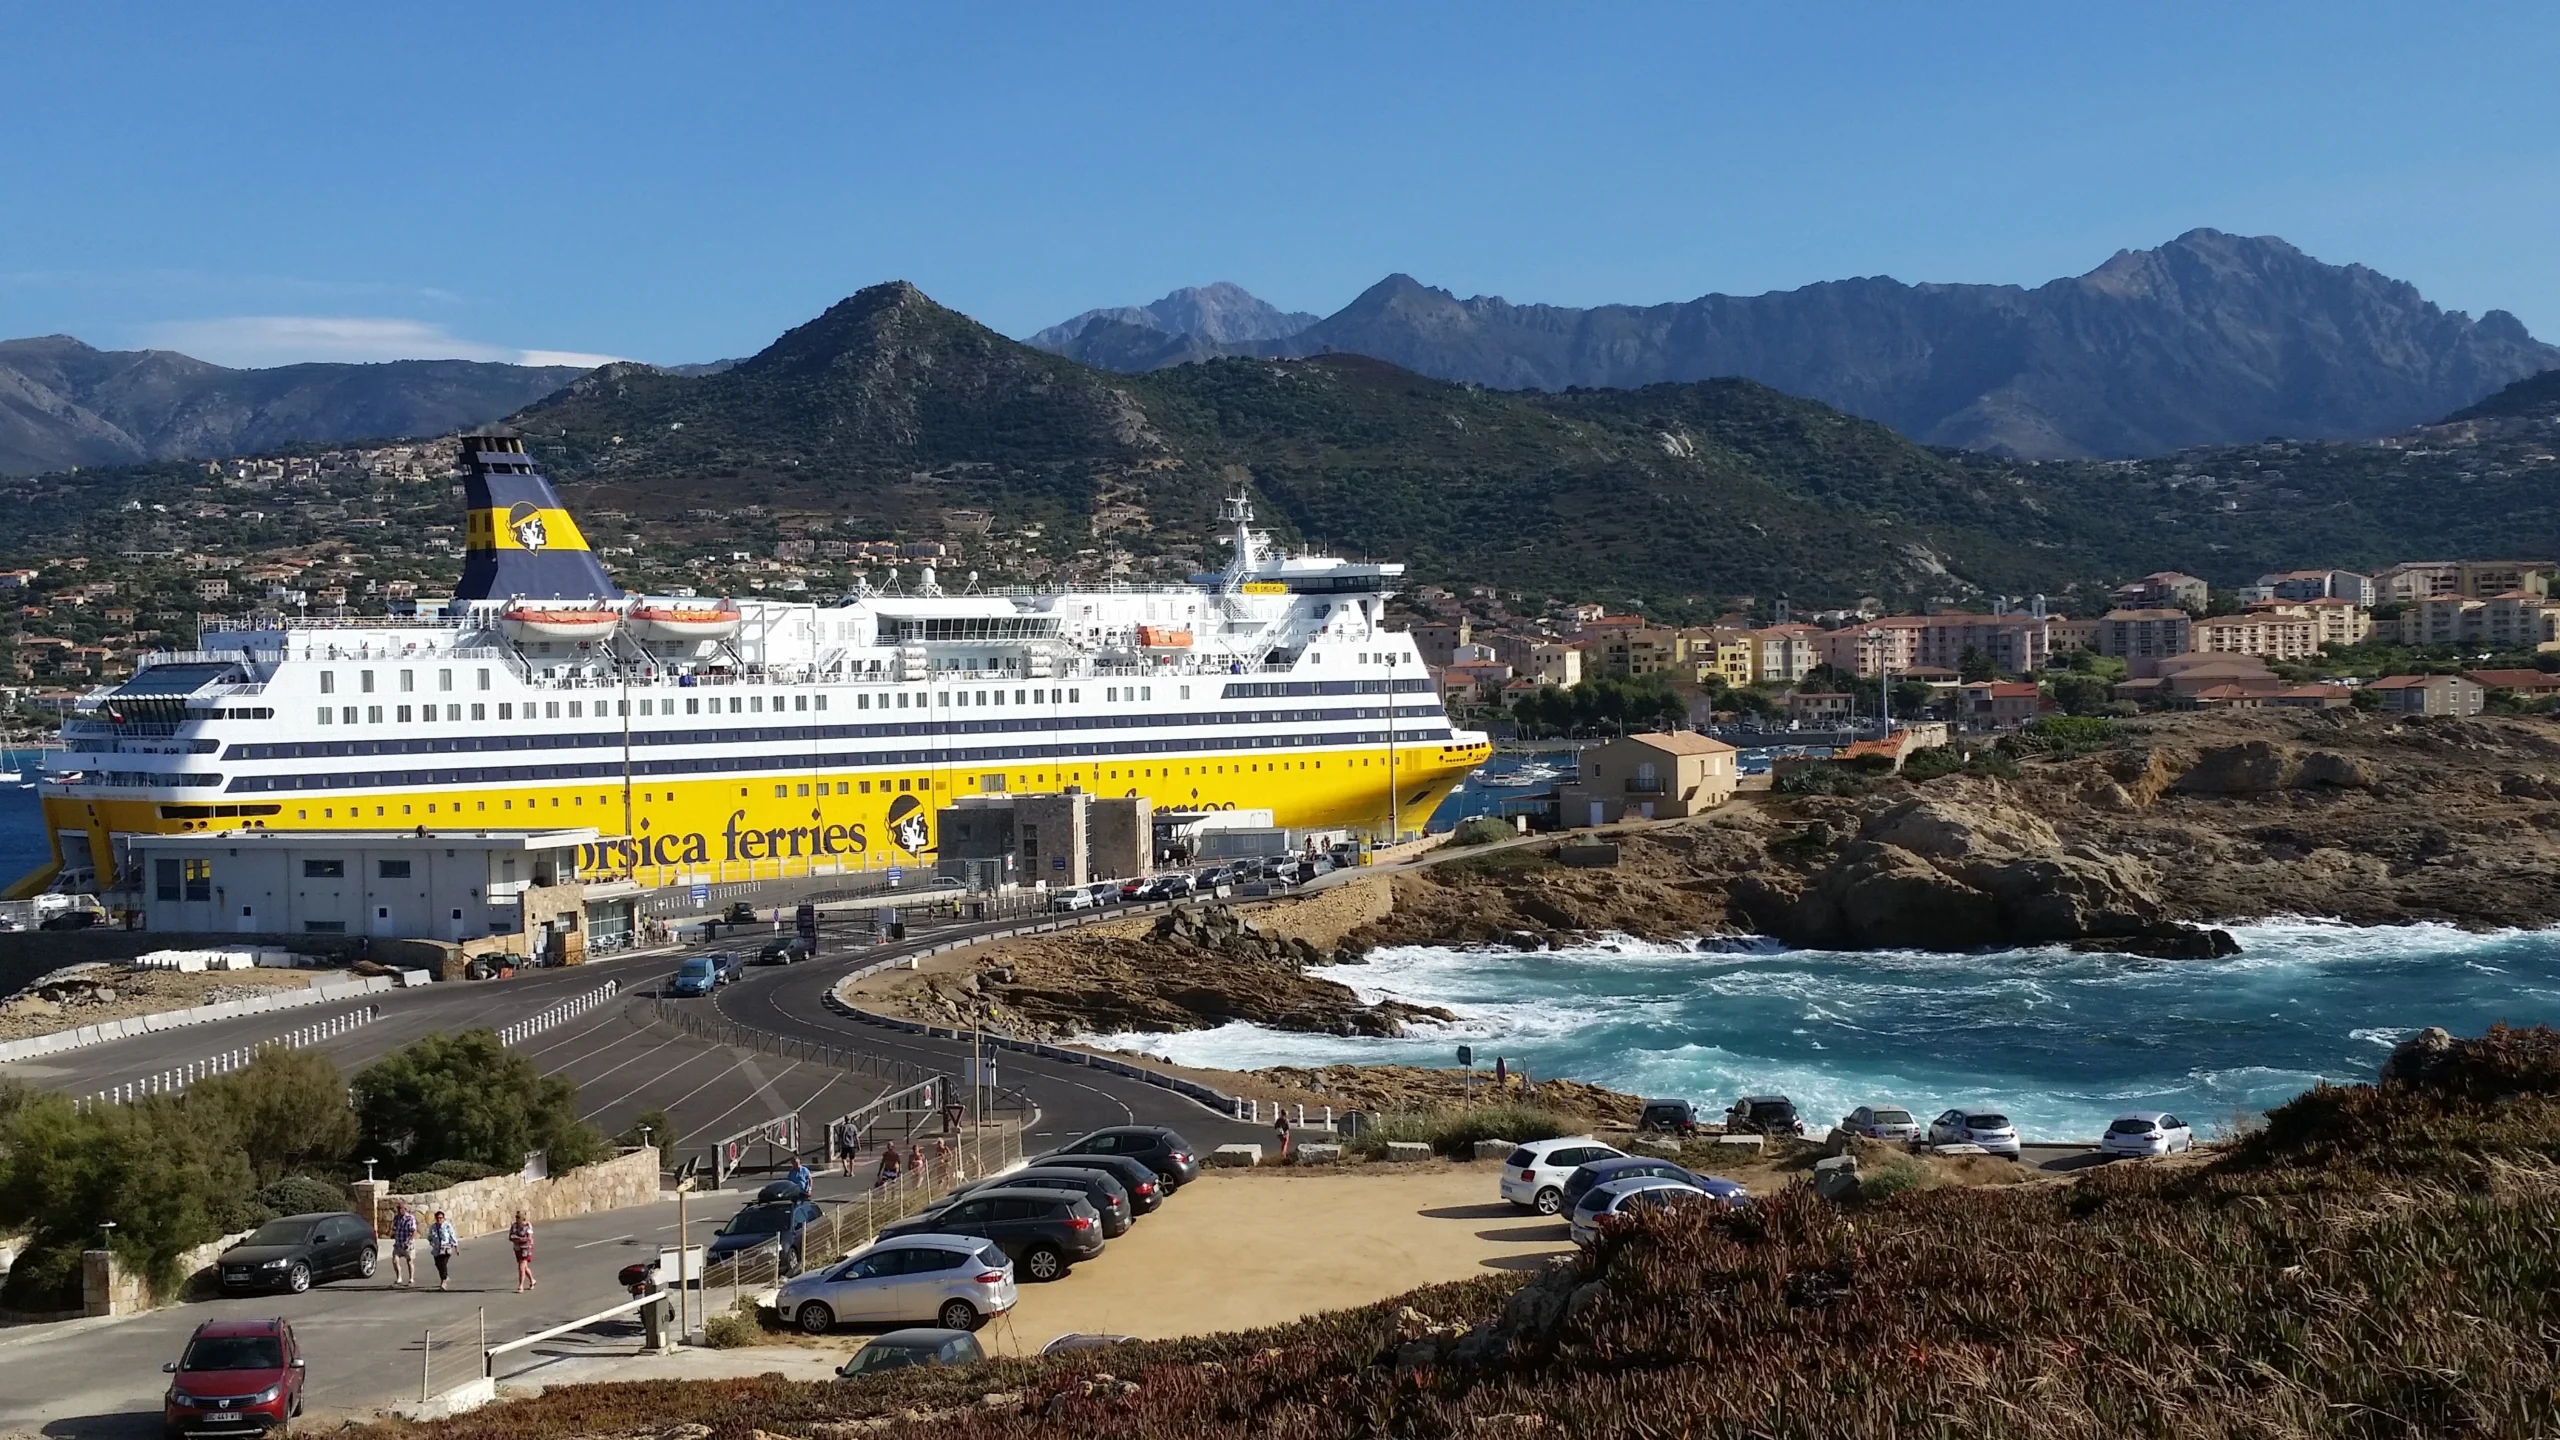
(1152,637)
(686,622)
(528,623)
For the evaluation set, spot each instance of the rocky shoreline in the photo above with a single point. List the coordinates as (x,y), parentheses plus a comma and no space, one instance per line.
(2145,844)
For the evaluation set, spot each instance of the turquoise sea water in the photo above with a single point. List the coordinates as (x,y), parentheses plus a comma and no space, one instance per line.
(2062,1042)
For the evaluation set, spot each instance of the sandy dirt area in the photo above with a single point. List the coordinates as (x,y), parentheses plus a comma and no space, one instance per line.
(139,992)
(1237,1251)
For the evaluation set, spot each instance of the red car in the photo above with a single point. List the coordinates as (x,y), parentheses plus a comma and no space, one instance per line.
(237,1377)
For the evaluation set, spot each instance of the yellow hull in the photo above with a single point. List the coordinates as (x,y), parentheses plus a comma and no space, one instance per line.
(818,823)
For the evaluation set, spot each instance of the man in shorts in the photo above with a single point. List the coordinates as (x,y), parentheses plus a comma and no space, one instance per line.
(404,1241)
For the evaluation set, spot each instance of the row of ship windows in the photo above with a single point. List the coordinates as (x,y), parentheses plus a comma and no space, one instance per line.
(423,715)
(922,784)
(738,704)
(714,764)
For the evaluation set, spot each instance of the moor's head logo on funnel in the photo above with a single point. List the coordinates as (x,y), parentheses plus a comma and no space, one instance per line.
(525,523)
(909,827)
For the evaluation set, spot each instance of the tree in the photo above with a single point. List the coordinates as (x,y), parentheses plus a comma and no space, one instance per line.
(286,1108)
(2082,694)
(1975,665)
(166,1171)
(465,1097)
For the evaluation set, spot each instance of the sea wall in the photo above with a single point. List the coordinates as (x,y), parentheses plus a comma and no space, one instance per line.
(486,1207)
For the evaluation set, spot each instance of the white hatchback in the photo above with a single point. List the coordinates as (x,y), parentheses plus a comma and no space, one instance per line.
(1534,1175)
(1987,1128)
(2147,1132)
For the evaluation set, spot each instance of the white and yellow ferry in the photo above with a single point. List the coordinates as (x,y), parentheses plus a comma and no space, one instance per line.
(752,739)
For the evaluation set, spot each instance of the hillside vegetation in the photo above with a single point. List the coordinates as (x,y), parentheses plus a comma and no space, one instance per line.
(890,410)
(2377,1261)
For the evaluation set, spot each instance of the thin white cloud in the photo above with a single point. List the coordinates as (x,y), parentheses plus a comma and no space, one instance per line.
(257,341)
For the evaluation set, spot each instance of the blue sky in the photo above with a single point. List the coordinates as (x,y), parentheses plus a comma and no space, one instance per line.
(263,183)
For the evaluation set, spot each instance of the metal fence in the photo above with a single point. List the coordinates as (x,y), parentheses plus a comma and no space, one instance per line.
(453,1355)
(566,1010)
(178,1077)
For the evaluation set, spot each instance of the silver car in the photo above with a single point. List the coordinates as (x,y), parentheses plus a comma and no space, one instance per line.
(1987,1128)
(956,1281)
(1882,1122)
(1617,1197)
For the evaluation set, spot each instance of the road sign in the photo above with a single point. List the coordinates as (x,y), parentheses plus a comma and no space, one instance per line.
(1466,1054)
(897,873)
(701,894)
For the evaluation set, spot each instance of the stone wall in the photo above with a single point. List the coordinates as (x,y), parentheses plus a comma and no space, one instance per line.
(487,1207)
(108,1288)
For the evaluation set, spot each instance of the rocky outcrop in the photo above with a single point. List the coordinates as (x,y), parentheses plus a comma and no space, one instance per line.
(1195,968)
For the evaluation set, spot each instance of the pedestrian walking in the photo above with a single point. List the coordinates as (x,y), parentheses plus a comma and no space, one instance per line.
(888,1167)
(915,1161)
(442,1241)
(404,1240)
(520,1239)
(800,1175)
(1281,1129)
(848,1142)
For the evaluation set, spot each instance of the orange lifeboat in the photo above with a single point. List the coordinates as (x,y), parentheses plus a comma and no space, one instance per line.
(686,622)
(524,622)
(1151,637)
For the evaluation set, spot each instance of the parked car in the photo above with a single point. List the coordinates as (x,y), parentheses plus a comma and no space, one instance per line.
(1618,1197)
(696,976)
(234,1377)
(948,885)
(739,913)
(781,1222)
(1110,1198)
(1890,1123)
(71,920)
(2147,1132)
(1533,1176)
(1763,1115)
(726,966)
(1106,893)
(901,1348)
(960,1282)
(1072,899)
(294,1252)
(1173,886)
(1145,1187)
(1073,1341)
(1987,1128)
(1667,1117)
(1622,1167)
(783,950)
(1045,1231)
(1160,1146)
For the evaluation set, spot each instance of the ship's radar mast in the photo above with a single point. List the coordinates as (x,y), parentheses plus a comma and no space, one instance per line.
(1251,546)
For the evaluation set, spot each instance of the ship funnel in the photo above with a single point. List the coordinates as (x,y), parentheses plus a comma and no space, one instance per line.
(522,541)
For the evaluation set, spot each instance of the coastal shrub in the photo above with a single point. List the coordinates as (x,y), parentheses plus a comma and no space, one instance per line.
(1823,777)
(467,1097)
(1938,761)
(1454,1132)
(2061,735)
(169,1180)
(1892,1178)
(1480,830)
(734,1327)
(446,1173)
(286,1109)
(301,1195)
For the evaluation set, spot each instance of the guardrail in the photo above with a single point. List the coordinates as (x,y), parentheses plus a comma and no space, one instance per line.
(83,1036)
(566,1010)
(177,1078)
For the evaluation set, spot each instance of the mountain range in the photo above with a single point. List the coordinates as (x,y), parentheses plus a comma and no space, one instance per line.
(2209,339)
(63,403)
(888,412)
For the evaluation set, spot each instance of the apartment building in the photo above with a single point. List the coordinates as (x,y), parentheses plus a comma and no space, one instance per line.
(2344,585)
(1868,650)
(1784,654)
(2483,579)
(2417,580)
(2063,635)
(2142,638)
(2272,636)
(2430,694)
(2163,589)
(2333,621)
(2516,620)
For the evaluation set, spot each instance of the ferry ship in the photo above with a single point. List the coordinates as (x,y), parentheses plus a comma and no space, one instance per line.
(721,740)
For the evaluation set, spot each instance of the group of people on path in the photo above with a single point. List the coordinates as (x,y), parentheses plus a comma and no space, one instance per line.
(847,1143)
(443,1243)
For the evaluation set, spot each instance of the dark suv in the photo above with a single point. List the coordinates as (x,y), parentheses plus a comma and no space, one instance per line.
(1763,1115)
(1668,1117)
(783,950)
(1145,1187)
(297,1251)
(1044,1231)
(236,1377)
(781,1222)
(1163,1150)
(1110,1199)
